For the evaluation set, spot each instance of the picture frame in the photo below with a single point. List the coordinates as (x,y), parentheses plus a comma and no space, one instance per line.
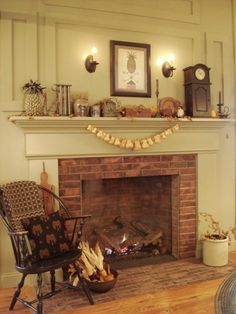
(130,72)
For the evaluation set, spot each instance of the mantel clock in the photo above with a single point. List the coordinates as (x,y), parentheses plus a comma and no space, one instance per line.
(197,90)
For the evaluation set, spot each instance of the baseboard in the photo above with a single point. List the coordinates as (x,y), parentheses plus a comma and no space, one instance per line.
(8,280)
(11,279)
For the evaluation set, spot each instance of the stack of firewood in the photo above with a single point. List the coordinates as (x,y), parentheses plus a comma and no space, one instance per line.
(138,233)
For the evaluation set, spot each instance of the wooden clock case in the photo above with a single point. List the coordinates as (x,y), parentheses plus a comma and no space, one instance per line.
(197,91)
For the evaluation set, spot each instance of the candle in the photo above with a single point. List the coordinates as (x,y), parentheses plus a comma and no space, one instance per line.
(219,97)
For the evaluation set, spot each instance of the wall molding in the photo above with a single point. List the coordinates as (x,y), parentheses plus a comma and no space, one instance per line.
(187,11)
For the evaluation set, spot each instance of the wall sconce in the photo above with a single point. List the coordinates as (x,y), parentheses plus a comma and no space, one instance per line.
(90,62)
(167,67)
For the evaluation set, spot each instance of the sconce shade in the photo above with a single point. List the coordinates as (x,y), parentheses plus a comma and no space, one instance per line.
(167,69)
(90,64)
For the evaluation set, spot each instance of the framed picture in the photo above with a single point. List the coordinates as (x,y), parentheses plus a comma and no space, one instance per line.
(130,69)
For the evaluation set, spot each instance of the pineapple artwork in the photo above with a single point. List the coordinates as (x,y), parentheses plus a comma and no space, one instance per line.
(34,98)
(131,67)
(131,70)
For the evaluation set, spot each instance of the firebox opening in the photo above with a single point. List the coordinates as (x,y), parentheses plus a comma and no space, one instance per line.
(131,217)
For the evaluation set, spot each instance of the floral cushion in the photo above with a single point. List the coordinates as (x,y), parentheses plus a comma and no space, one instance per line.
(47,236)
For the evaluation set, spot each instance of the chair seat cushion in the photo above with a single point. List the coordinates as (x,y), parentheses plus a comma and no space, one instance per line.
(47,236)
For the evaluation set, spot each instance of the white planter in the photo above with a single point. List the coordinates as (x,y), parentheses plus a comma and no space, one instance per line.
(215,252)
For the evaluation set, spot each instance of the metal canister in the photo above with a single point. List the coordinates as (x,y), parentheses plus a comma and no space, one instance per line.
(95,110)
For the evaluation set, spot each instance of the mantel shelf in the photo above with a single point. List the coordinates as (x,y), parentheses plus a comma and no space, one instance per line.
(64,123)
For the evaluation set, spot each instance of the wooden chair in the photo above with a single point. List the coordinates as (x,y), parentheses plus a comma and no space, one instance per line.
(20,203)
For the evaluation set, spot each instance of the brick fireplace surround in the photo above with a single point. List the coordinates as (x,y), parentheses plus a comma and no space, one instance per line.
(181,167)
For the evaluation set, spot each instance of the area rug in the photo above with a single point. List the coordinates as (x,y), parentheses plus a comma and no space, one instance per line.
(142,280)
(225,300)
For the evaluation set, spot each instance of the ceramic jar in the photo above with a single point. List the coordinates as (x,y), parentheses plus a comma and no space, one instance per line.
(215,252)
(81,107)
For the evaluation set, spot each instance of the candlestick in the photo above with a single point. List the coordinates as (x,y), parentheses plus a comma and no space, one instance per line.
(157,88)
(219,97)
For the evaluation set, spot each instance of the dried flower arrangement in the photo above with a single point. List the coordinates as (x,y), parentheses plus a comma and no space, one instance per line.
(214,231)
(92,265)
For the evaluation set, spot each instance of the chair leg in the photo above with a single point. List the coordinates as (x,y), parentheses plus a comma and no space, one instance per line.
(84,286)
(39,294)
(17,292)
(53,280)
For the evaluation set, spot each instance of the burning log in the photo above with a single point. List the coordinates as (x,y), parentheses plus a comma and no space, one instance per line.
(106,240)
(126,225)
(141,227)
(153,237)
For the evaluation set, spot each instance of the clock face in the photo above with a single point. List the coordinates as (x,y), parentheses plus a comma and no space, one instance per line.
(200,74)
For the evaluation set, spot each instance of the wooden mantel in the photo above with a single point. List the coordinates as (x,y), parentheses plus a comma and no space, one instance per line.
(64,123)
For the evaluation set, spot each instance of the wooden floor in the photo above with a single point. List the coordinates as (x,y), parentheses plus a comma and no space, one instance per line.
(195,299)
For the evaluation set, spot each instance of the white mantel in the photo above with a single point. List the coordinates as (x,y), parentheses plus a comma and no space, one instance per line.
(52,137)
(65,122)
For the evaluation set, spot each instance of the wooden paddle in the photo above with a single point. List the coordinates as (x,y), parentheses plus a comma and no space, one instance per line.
(48,200)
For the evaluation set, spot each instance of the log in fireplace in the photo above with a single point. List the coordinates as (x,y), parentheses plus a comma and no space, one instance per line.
(140,205)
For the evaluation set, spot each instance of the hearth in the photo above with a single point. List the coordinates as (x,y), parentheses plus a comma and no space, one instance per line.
(141,206)
(130,216)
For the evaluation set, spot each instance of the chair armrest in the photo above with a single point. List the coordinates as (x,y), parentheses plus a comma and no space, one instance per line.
(21,247)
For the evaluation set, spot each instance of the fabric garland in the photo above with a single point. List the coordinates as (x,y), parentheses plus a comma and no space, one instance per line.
(137,144)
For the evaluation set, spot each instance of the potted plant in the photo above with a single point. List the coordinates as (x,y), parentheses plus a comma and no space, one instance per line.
(215,241)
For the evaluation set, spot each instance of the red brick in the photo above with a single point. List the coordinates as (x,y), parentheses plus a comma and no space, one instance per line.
(188,177)
(89,160)
(69,177)
(92,176)
(152,172)
(178,164)
(67,162)
(185,184)
(187,203)
(113,175)
(70,185)
(111,160)
(69,191)
(187,190)
(152,158)
(170,172)
(133,173)
(187,197)
(133,159)
(188,236)
(187,243)
(187,171)
(187,229)
(167,157)
(63,170)
(187,254)
(187,210)
(187,222)
(191,164)
(187,216)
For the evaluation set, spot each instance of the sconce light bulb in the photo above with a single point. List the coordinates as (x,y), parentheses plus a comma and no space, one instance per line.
(159,62)
(171,58)
(94,50)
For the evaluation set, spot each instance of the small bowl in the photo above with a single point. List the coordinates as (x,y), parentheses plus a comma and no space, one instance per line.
(104,286)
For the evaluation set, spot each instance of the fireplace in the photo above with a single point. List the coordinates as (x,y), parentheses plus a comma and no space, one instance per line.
(157,193)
